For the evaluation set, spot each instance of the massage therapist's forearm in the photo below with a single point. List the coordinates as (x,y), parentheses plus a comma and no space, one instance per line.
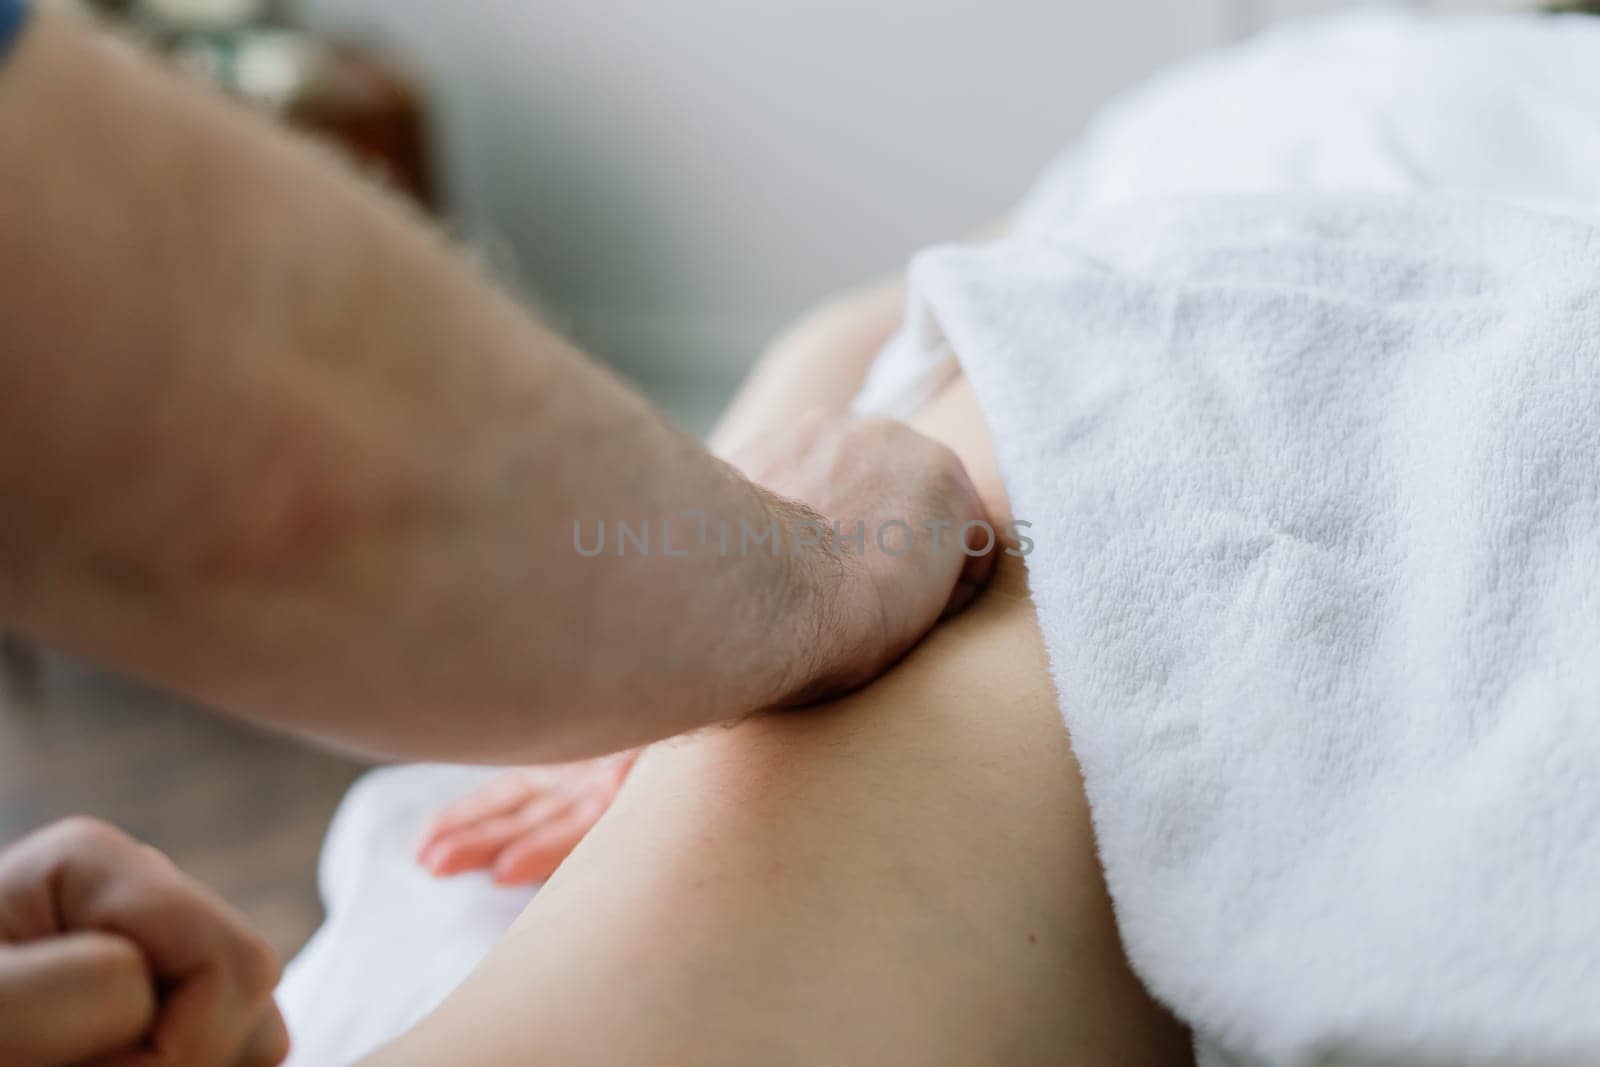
(270,443)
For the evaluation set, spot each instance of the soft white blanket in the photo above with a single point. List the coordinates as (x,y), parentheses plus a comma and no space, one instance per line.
(1315,489)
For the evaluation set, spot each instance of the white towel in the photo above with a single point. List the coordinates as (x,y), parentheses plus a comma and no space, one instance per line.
(1315,486)
(396,940)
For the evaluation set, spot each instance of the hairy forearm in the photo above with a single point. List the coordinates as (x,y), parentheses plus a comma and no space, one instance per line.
(271,443)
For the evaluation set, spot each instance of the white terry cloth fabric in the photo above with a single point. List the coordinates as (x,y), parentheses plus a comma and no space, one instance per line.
(1315,489)
(396,940)
(1384,100)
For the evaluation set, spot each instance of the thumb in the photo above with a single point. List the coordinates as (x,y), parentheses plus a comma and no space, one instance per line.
(268,1044)
(71,998)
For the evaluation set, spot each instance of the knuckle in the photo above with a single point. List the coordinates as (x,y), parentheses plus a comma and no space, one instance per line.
(108,963)
(122,969)
(86,832)
(158,863)
(120,958)
(258,966)
(272,1048)
(121,981)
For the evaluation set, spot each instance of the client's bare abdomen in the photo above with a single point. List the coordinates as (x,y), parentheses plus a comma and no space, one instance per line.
(906,876)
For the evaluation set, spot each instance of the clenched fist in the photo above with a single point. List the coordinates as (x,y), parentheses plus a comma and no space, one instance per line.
(109,954)
(902,540)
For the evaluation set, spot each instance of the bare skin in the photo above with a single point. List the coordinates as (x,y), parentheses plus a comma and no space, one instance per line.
(907,875)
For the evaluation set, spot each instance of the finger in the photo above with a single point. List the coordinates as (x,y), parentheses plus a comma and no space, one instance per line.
(621,765)
(500,796)
(268,1044)
(608,788)
(103,880)
(983,545)
(981,537)
(215,972)
(187,1029)
(201,1021)
(72,998)
(535,856)
(961,597)
(980,545)
(476,847)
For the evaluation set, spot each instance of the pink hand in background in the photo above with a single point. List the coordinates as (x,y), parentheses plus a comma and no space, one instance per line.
(522,824)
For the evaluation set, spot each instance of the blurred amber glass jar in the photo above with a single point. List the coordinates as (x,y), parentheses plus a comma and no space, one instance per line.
(351,94)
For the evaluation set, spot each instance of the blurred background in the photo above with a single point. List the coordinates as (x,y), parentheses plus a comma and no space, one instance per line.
(668,182)
(672,181)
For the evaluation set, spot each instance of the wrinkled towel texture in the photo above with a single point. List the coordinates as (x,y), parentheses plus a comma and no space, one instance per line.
(1315,492)
(1320,639)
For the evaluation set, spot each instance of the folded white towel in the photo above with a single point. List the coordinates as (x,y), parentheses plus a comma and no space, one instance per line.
(1315,486)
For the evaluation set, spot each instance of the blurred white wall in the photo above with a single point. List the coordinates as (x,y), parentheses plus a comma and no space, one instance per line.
(673,179)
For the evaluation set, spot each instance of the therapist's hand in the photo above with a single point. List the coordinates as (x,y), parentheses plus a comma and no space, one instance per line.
(879,594)
(109,954)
